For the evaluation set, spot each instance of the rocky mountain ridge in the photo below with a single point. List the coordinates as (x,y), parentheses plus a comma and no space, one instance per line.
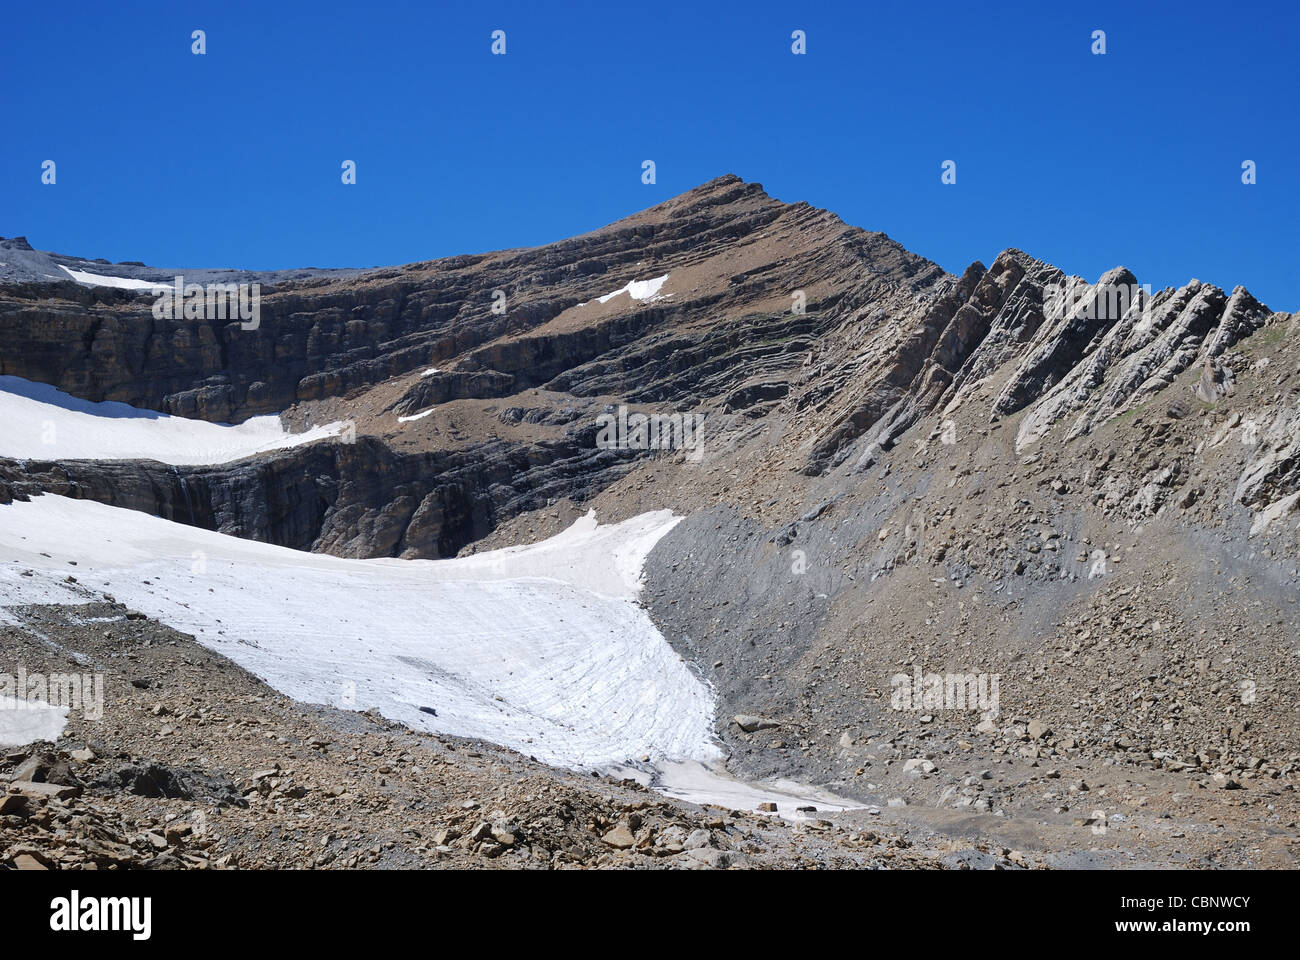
(885,339)
(1087,488)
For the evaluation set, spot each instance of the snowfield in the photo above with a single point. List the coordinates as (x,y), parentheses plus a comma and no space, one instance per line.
(42,422)
(540,648)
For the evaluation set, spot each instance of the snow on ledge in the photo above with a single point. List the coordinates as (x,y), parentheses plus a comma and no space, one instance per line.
(416,416)
(636,289)
(42,422)
(122,283)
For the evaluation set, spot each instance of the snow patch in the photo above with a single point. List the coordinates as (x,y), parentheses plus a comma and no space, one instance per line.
(42,422)
(122,283)
(697,783)
(416,416)
(25,721)
(540,648)
(636,289)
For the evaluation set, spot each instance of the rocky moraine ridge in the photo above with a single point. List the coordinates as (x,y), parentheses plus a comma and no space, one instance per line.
(1094,498)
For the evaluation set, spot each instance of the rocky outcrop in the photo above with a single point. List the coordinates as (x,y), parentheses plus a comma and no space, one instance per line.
(1142,353)
(1069,330)
(1273,474)
(912,367)
(442,386)
(352,500)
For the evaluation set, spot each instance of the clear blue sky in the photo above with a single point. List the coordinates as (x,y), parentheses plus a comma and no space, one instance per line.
(233,158)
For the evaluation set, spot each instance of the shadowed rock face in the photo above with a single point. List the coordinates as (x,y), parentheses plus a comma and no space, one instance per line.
(825,342)
(351,500)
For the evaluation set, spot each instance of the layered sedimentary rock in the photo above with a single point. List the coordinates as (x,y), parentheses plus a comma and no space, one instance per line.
(351,499)
(474,382)
(1089,489)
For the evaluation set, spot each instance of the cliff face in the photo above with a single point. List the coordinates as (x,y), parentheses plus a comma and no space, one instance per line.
(320,337)
(475,383)
(356,500)
(391,343)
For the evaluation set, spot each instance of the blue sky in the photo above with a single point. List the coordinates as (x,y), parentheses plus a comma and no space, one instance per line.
(233,158)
